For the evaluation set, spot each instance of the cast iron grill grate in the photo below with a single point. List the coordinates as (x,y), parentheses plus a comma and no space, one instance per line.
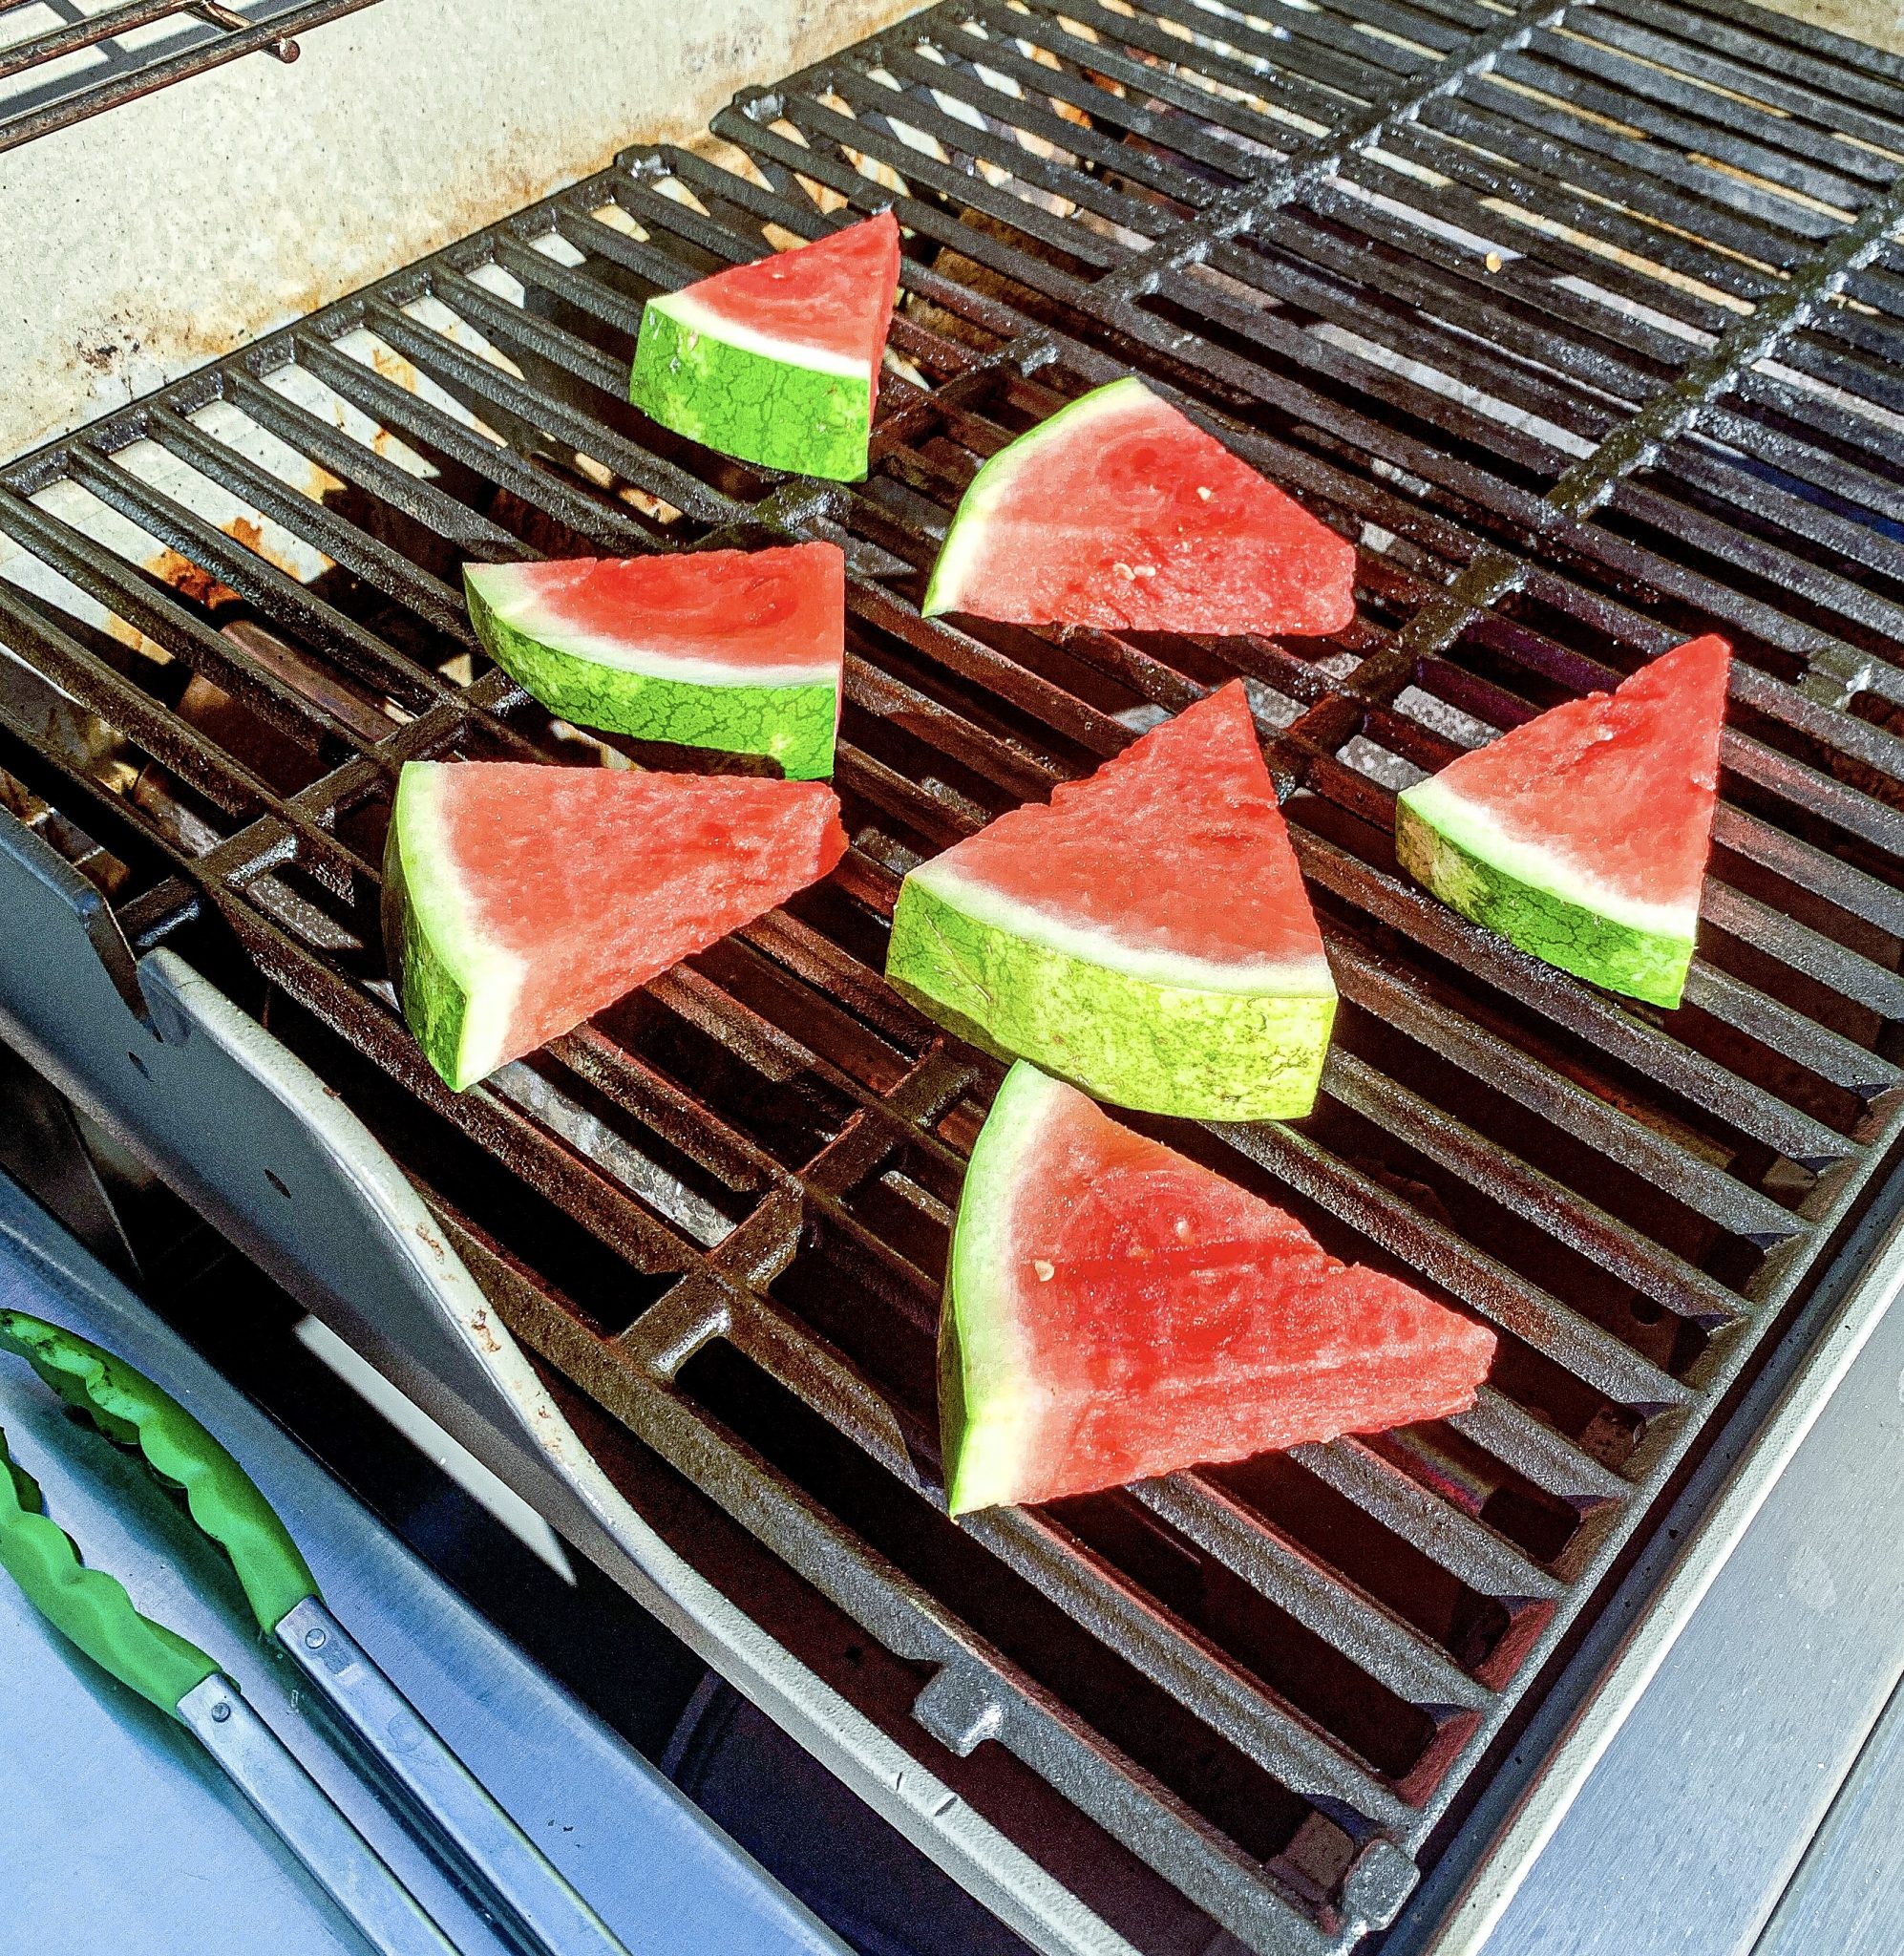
(1585,323)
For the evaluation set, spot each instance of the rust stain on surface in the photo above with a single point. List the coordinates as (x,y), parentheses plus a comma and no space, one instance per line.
(245,530)
(393,367)
(189,580)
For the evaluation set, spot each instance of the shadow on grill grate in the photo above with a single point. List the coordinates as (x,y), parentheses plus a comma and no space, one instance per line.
(1587,324)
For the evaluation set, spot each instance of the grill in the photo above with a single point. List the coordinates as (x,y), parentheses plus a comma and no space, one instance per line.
(1587,323)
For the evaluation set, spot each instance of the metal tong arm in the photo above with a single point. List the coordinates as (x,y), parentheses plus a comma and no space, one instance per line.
(89,1607)
(486,1845)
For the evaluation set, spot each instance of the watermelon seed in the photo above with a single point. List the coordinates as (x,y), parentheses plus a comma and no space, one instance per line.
(1124,571)
(1046,1272)
(1204,495)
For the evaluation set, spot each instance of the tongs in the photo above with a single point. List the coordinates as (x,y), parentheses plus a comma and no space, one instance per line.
(447,1807)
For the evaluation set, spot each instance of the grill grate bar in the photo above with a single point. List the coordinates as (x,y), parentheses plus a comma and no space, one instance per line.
(1547,1459)
(396,407)
(99,688)
(1296,1582)
(1583,1225)
(360,653)
(1620,1035)
(1835,68)
(374,476)
(1691,44)
(1681,111)
(1176,1657)
(379,566)
(1441,1531)
(1688,1176)
(1755,338)
(503,396)
(1323,156)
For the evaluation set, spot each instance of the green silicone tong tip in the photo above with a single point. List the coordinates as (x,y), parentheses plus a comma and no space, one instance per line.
(222,1499)
(87,1605)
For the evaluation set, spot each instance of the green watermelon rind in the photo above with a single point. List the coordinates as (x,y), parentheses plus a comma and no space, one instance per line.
(966,538)
(793,723)
(777,404)
(1445,844)
(456,991)
(1206,1052)
(988,1416)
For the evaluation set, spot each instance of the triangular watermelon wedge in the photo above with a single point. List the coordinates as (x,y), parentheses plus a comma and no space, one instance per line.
(1581,835)
(1119,511)
(1146,935)
(777,362)
(734,649)
(1114,1311)
(520,899)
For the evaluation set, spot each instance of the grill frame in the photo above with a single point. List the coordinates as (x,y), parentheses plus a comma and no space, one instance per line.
(725,1294)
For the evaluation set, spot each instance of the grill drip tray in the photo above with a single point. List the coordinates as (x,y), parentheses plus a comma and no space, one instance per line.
(1585,322)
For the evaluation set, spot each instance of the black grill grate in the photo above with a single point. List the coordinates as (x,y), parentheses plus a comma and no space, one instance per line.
(1587,323)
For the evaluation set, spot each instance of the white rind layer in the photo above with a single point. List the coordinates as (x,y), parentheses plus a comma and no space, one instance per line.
(1006,1407)
(972,517)
(692,315)
(523,612)
(491,978)
(1471,826)
(1251,977)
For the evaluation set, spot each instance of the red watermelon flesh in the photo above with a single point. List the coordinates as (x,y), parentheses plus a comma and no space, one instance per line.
(1119,511)
(1115,1310)
(764,614)
(1620,785)
(1175,847)
(834,295)
(520,899)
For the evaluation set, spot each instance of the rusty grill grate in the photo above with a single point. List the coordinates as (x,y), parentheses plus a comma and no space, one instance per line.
(1587,323)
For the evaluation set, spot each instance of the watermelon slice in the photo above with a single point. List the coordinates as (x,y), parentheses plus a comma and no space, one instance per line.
(1121,513)
(1114,1311)
(1581,835)
(1146,935)
(777,362)
(520,899)
(734,649)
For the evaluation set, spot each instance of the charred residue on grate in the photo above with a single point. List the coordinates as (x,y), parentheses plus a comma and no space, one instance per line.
(1583,322)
